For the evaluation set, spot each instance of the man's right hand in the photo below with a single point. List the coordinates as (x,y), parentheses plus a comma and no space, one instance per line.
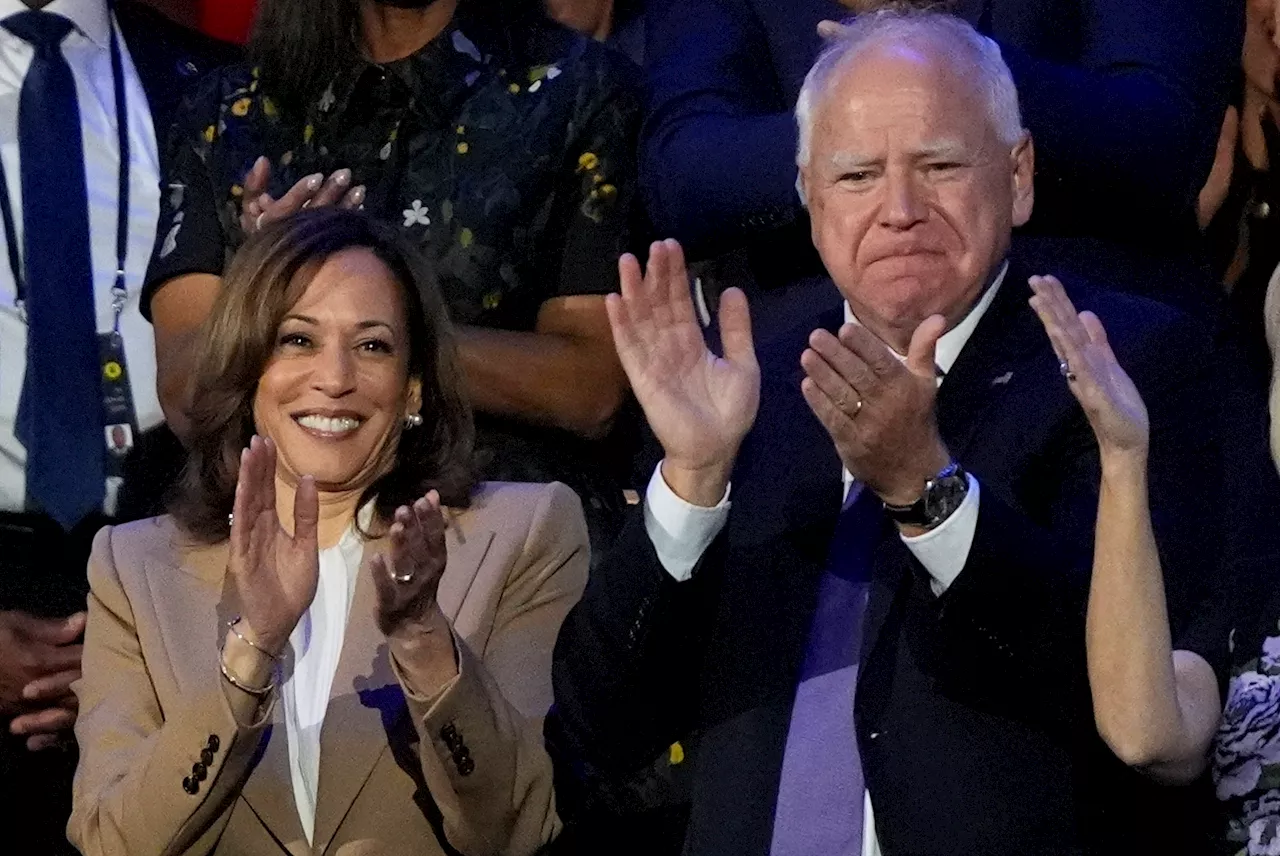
(700,406)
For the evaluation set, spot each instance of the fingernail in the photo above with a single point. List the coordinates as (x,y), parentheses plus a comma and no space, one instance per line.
(314,182)
(342,177)
(357,195)
(262,159)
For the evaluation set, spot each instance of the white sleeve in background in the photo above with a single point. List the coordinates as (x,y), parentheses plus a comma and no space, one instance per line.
(680,532)
(944,551)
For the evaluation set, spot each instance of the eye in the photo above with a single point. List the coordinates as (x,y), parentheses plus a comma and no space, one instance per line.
(943,167)
(376,346)
(856,176)
(295,340)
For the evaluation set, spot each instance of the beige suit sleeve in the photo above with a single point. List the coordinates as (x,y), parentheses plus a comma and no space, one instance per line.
(128,798)
(482,748)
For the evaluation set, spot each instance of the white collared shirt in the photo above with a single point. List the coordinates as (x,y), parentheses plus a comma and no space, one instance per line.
(315,647)
(87,51)
(681,532)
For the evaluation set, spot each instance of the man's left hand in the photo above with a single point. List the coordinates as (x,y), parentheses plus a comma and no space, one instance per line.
(878,409)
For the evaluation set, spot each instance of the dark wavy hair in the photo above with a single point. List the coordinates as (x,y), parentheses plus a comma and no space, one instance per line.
(267,278)
(300,46)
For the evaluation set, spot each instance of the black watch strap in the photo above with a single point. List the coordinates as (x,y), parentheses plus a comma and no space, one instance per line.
(942,495)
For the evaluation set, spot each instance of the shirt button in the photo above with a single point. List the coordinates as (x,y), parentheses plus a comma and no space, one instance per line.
(206,757)
(190,786)
(214,743)
(199,771)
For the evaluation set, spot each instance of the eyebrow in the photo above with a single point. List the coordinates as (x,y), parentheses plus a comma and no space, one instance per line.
(363,325)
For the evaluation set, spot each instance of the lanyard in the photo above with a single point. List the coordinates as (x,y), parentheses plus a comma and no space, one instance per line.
(119,293)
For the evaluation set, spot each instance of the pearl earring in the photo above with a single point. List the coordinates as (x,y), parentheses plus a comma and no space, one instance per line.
(413,420)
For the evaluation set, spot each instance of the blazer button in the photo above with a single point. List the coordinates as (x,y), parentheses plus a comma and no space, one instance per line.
(448,732)
(466,767)
(190,786)
(206,756)
(214,743)
(199,771)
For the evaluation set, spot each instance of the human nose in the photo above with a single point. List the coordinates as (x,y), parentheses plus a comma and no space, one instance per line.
(903,205)
(334,371)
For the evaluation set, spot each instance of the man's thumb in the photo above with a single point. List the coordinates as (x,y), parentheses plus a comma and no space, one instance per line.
(924,344)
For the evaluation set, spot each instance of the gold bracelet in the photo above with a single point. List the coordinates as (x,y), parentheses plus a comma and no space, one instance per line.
(238,684)
(231,625)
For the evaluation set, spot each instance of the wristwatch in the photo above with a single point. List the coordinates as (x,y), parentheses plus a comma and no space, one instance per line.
(942,495)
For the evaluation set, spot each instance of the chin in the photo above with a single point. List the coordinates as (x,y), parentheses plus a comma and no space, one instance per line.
(334,466)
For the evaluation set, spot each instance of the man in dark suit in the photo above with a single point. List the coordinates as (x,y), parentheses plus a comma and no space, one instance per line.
(88,86)
(1124,97)
(902,671)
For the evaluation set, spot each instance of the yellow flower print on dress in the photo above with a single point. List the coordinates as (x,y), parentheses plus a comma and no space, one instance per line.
(588,162)
(241,107)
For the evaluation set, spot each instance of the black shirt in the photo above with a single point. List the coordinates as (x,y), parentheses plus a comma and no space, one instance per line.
(505,149)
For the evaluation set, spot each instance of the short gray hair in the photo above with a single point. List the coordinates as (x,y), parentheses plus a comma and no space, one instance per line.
(904,25)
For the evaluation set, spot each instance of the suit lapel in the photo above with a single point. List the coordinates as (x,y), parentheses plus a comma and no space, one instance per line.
(367,714)
(991,363)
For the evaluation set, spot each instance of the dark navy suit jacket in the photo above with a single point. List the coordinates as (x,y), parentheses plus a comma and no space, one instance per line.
(973,712)
(1124,98)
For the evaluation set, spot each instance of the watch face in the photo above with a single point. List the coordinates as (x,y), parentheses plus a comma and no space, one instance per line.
(944,496)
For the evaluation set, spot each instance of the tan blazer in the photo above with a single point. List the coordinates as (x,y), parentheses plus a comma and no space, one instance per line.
(394,776)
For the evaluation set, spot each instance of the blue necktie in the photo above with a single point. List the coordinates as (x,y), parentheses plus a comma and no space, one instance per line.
(60,409)
(820,794)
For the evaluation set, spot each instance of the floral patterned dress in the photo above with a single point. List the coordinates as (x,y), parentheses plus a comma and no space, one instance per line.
(1246,755)
(504,149)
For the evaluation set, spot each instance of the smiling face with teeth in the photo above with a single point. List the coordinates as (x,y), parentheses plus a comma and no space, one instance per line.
(336,390)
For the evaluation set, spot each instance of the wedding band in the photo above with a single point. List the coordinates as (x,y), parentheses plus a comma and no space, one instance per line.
(1065,368)
(857,408)
(402,578)
(257,223)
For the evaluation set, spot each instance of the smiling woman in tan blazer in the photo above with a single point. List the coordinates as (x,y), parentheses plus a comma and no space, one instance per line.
(447,608)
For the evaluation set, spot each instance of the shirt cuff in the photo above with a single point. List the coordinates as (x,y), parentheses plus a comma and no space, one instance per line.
(943,551)
(680,532)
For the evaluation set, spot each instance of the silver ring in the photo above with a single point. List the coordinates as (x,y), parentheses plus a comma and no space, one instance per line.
(1065,368)
(857,408)
(402,578)
(257,223)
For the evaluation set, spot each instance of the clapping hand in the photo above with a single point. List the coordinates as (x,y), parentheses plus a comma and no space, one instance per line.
(275,574)
(408,578)
(878,409)
(1106,393)
(699,405)
(258,208)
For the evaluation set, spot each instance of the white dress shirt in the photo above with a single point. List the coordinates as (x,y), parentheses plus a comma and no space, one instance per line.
(682,532)
(88,52)
(314,649)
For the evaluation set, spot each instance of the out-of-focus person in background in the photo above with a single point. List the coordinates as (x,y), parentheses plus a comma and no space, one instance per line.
(85,85)
(498,141)
(1237,206)
(358,660)
(1124,97)
(619,22)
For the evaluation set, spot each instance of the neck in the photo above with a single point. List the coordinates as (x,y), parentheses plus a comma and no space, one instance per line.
(390,33)
(337,511)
